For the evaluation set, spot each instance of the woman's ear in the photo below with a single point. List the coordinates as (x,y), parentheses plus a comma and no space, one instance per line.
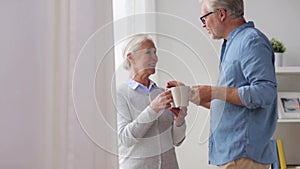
(130,57)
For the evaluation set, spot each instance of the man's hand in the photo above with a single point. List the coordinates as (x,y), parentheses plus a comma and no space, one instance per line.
(201,95)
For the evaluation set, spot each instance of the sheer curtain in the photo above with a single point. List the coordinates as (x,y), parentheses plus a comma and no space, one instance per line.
(83,127)
(58,81)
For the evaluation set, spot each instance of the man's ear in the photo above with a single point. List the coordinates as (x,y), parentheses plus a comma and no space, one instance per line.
(223,14)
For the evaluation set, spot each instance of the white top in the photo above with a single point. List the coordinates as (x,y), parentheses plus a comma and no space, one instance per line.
(146,138)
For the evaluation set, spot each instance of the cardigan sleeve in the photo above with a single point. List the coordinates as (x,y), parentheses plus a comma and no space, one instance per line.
(178,134)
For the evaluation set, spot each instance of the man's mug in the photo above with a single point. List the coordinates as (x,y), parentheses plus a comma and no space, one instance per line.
(180,96)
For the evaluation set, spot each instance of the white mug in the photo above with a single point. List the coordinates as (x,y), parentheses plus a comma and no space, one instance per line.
(180,96)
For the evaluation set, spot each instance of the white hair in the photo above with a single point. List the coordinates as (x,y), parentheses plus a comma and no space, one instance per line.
(134,43)
(234,7)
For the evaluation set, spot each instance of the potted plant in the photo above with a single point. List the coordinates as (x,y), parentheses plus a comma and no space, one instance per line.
(279,49)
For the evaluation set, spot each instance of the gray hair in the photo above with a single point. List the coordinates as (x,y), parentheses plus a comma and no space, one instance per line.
(234,7)
(135,42)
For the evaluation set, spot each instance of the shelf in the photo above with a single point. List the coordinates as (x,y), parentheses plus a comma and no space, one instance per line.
(288,120)
(288,79)
(288,70)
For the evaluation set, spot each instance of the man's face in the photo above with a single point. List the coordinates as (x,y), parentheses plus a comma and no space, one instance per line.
(210,21)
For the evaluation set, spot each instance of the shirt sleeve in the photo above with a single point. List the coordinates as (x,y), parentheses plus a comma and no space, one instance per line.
(178,134)
(129,130)
(258,69)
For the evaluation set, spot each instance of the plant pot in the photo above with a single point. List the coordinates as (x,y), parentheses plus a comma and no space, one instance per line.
(278,59)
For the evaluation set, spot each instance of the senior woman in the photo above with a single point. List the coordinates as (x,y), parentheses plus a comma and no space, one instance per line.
(148,128)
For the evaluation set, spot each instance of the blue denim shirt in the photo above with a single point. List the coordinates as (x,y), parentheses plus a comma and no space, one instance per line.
(247,63)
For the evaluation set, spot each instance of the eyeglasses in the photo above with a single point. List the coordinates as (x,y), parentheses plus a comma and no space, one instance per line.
(202,18)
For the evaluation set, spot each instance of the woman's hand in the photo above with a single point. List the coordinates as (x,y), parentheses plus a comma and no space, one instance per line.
(162,101)
(179,115)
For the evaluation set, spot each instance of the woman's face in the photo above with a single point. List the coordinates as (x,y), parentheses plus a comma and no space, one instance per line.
(144,59)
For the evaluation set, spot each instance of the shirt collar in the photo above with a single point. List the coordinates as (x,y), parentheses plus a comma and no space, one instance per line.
(233,33)
(140,87)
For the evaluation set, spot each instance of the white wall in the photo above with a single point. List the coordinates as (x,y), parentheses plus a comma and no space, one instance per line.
(179,20)
(278,19)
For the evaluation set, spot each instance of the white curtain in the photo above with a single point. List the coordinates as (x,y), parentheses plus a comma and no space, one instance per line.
(58,82)
(84,124)
(57,85)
